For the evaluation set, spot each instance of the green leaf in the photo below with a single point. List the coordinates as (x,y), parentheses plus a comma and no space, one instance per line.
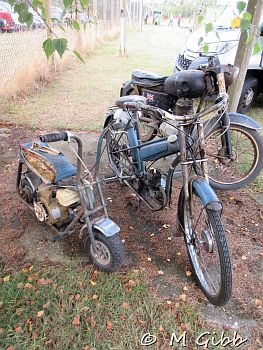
(28,19)
(200,19)
(247,16)
(67,3)
(11,2)
(201,39)
(245,25)
(241,5)
(48,47)
(62,28)
(258,46)
(60,45)
(84,3)
(75,25)
(208,27)
(79,56)
(205,48)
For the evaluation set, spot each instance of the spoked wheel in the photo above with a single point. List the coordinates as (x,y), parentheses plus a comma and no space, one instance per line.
(147,131)
(246,162)
(207,248)
(110,254)
(120,157)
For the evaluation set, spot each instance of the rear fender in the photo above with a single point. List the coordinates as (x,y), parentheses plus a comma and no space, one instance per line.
(127,88)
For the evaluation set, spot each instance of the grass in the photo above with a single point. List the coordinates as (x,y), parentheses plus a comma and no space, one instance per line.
(73,308)
(79,98)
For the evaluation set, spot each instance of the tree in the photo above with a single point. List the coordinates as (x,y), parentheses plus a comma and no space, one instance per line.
(250,22)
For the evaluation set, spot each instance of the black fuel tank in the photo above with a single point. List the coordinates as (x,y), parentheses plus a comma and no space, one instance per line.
(186,83)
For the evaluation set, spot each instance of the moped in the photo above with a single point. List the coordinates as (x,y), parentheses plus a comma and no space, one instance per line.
(199,209)
(234,145)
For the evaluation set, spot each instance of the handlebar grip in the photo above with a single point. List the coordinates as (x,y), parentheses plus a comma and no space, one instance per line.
(54,137)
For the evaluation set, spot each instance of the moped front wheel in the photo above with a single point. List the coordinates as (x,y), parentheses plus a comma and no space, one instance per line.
(246,162)
(110,251)
(207,248)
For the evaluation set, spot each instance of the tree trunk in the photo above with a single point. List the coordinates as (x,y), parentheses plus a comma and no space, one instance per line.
(105,14)
(244,52)
(122,26)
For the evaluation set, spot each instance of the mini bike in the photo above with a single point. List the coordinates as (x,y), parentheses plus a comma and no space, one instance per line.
(65,200)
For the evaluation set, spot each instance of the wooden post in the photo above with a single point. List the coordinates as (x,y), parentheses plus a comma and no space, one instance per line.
(122,26)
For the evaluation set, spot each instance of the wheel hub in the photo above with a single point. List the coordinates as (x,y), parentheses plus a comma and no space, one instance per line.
(207,241)
(223,159)
(249,97)
(102,254)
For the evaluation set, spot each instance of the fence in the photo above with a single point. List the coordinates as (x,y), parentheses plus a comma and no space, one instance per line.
(22,59)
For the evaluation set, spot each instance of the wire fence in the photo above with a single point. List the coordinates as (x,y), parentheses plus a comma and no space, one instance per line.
(22,59)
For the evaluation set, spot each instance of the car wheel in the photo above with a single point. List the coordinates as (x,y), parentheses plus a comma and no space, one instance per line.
(248,94)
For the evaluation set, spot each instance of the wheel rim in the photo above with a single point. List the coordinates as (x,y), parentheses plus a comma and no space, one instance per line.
(103,255)
(241,166)
(249,96)
(202,247)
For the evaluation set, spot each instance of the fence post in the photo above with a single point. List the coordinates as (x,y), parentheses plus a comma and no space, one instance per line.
(105,14)
(122,26)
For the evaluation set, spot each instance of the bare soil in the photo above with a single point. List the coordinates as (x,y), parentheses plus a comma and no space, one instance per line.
(146,234)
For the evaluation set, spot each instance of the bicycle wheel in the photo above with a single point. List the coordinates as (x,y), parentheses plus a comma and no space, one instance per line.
(230,174)
(207,248)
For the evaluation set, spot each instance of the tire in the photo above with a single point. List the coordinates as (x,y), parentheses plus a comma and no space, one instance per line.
(111,249)
(248,94)
(208,244)
(225,174)
(147,132)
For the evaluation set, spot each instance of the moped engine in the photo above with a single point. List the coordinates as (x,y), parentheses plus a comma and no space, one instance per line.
(156,189)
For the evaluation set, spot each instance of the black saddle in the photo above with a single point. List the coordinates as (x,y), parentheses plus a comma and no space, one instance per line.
(147,79)
(120,102)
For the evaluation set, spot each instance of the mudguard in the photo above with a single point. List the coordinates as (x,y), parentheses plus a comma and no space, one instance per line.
(206,193)
(106,226)
(235,119)
(126,88)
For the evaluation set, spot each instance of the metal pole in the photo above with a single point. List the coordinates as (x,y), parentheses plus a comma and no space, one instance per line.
(140,16)
(122,26)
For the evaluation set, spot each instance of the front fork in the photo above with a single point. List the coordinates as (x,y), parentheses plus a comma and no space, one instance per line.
(226,136)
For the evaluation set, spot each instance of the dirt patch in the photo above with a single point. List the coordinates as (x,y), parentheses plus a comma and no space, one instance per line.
(149,239)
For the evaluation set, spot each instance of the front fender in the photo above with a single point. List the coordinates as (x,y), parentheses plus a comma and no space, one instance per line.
(106,226)
(206,193)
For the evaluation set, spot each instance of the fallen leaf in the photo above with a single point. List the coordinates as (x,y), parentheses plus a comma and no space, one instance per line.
(161,329)
(84,309)
(18,330)
(6,279)
(168,260)
(182,297)
(160,272)
(259,302)
(95,297)
(169,238)
(244,257)
(109,324)
(28,286)
(20,285)
(19,311)
(1,304)
(10,348)
(40,313)
(188,273)
(34,335)
(77,297)
(1,331)
(48,342)
(165,226)
(125,305)
(168,302)
(149,259)
(188,326)
(47,305)
(130,284)
(93,283)
(93,323)
(179,253)
(30,278)
(76,320)
(185,288)
(87,348)
(41,282)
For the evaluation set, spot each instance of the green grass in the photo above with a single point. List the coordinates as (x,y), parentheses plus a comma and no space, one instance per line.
(121,313)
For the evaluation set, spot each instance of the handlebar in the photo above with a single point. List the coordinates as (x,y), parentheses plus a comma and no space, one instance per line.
(54,137)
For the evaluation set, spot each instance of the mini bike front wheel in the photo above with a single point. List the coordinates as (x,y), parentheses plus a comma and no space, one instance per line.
(207,248)
(110,251)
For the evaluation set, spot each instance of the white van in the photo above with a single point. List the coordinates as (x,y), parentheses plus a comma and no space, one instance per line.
(223,42)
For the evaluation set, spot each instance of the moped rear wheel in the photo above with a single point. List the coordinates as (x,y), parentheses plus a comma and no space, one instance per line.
(246,163)
(207,248)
